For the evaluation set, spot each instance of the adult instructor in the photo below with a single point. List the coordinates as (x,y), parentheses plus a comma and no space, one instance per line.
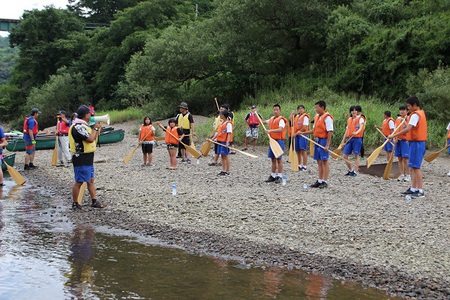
(82,140)
(185,122)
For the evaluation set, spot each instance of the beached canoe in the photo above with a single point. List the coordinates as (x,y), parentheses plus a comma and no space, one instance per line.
(47,141)
(9,159)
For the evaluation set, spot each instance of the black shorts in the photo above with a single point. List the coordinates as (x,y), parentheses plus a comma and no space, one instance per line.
(186,140)
(147,148)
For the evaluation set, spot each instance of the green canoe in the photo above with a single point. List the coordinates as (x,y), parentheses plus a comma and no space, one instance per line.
(47,141)
(9,159)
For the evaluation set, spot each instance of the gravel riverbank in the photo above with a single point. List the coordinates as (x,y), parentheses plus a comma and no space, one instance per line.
(359,228)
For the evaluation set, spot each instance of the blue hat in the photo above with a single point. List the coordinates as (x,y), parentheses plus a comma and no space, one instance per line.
(83,110)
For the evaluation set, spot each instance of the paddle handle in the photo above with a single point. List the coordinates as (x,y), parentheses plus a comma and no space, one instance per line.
(384,135)
(334,153)
(232,148)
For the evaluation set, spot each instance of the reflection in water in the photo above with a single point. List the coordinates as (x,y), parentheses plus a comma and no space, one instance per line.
(45,256)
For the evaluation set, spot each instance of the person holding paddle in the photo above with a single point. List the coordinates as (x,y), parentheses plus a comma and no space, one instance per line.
(387,128)
(323,132)
(172,139)
(3,143)
(146,138)
(276,131)
(301,125)
(185,122)
(216,125)
(224,136)
(353,134)
(82,141)
(417,127)
(402,145)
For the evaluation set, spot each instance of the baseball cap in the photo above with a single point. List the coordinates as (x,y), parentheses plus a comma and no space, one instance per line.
(183,105)
(62,112)
(253,106)
(35,110)
(83,110)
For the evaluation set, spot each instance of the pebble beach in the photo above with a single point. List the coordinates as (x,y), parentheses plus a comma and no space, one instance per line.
(358,229)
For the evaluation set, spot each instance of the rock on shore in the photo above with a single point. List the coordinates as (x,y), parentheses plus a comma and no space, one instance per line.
(359,228)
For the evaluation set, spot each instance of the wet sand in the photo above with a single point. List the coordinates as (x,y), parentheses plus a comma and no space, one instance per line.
(359,228)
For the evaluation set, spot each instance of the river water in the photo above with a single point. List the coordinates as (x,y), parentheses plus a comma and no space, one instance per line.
(44,255)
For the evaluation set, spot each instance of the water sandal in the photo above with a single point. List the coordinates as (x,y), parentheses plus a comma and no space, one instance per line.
(97,204)
(76,206)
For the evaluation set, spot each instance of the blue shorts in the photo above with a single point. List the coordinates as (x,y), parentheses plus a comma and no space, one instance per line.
(402,149)
(354,145)
(301,144)
(222,150)
(448,143)
(416,153)
(30,148)
(319,153)
(388,147)
(270,153)
(83,173)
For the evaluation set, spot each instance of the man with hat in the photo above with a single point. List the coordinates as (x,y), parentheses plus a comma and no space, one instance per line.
(30,131)
(185,122)
(82,140)
(62,131)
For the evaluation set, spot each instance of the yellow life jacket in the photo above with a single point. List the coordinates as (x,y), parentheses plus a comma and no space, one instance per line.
(183,121)
(87,147)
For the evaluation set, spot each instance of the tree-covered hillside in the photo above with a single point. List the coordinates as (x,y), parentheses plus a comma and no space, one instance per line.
(157,53)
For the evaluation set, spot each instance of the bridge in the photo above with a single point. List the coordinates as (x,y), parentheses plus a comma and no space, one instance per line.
(8,24)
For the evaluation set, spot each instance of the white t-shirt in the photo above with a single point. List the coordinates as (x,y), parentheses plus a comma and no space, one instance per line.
(281,124)
(329,123)
(229,128)
(414,120)
(391,125)
(306,121)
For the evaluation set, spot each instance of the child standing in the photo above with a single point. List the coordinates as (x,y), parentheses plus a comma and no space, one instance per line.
(147,139)
(172,139)
(224,136)
(402,145)
(387,128)
(353,133)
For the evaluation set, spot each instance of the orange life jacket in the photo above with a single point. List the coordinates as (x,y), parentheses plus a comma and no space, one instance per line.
(62,127)
(169,139)
(353,125)
(146,133)
(299,122)
(419,133)
(405,124)
(25,126)
(385,127)
(222,132)
(274,123)
(320,128)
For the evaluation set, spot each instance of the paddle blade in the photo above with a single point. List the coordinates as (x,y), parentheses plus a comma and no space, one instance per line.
(276,148)
(374,155)
(15,175)
(433,156)
(54,157)
(336,153)
(206,147)
(81,193)
(192,151)
(130,155)
(388,169)
(294,162)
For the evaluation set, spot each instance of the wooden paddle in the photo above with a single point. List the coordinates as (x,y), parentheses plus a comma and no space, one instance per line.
(433,156)
(383,135)
(333,154)
(15,174)
(339,149)
(274,146)
(81,193)
(130,155)
(55,150)
(206,147)
(237,150)
(159,138)
(311,149)
(293,158)
(377,151)
(388,168)
(191,150)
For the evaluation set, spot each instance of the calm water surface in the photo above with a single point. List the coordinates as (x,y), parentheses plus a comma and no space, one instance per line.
(43,255)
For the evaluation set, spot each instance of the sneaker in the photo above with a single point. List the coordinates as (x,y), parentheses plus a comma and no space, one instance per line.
(32,166)
(183,160)
(244,149)
(76,206)
(408,192)
(26,167)
(353,174)
(401,178)
(448,174)
(304,168)
(316,184)
(323,185)
(188,160)
(278,179)
(222,173)
(418,195)
(233,152)
(271,179)
(213,164)
(407,178)
(349,173)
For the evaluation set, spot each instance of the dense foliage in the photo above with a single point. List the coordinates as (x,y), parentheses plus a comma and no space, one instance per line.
(157,53)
